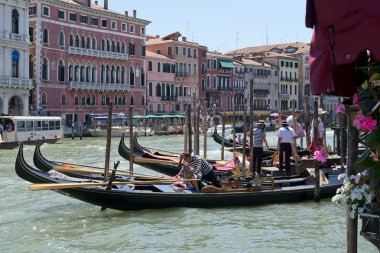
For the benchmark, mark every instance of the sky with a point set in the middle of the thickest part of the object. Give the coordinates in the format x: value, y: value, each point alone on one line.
x: 223, y: 25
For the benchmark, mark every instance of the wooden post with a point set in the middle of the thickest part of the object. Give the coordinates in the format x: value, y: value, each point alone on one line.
x: 189, y: 130
x: 234, y: 132
x: 108, y: 144
x: 205, y: 130
x: 251, y: 127
x: 145, y: 122
x: 295, y: 156
x: 185, y: 130
x: 307, y: 121
x: 244, y: 136
x: 342, y: 147
x: 197, y: 132
x: 223, y: 130
x: 317, y: 193
x: 131, y: 137
x: 352, y: 155
x: 324, y: 119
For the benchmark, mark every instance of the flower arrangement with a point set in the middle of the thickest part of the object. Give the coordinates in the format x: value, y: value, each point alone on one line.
x: 363, y: 188
x: 320, y: 155
x: 354, y: 193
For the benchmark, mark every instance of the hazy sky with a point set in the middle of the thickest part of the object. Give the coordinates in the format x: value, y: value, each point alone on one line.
x: 223, y: 25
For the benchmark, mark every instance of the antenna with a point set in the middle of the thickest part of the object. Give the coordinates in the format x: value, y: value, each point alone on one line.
x: 187, y: 29
x: 237, y: 40
x: 266, y: 30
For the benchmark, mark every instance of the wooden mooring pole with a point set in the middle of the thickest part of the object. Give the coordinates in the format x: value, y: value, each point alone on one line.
x: 108, y: 143
x: 223, y: 130
x: 185, y: 130
x: 244, y: 137
x: 205, y: 130
x: 317, y: 190
x: 307, y: 120
x: 234, y: 132
x: 251, y: 127
x: 196, y: 130
x: 296, y: 157
x: 189, y: 130
x: 131, y: 137
x: 352, y: 156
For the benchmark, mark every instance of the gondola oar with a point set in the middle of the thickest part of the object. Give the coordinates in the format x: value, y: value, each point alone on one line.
x: 57, y: 186
x: 85, y: 171
x: 150, y: 160
x: 112, y: 177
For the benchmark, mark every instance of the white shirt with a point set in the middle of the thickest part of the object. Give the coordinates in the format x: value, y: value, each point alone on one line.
x: 286, y: 134
x: 321, y: 128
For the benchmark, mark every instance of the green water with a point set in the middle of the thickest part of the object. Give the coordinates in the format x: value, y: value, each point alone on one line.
x: 46, y: 221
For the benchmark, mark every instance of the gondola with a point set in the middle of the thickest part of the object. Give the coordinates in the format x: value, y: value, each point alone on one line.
x: 153, y: 196
x: 169, y: 168
x: 46, y: 165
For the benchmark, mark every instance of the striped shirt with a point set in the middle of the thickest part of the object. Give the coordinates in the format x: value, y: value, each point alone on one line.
x: 200, y: 166
x: 258, y: 137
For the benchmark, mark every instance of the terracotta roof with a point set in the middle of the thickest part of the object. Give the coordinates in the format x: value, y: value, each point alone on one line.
x: 299, y: 46
x: 150, y: 54
x: 218, y: 55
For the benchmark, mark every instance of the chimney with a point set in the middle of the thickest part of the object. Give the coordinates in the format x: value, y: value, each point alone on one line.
x: 106, y: 4
x: 88, y: 3
x: 184, y: 39
x: 126, y: 13
x: 157, y: 36
x: 96, y: 2
x: 134, y: 13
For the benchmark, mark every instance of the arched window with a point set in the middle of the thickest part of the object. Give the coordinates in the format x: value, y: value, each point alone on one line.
x: 150, y: 66
x: 93, y: 99
x: 94, y: 74
x: 83, y: 42
x: 118, y: 74
x: 63, y: 99
x: 113, y: 74
x: 113, y: 47
x: 118, y: 46
x: 131, y: 48
x: 208, y: 82
x: 70, y: 72
x: 103, y: 45
x: 71, y: 40
x: 76, y: 99
x: 88, y: 99
x: 116, y: 100
x: 15, y: 21
x: 43, y: 98
x: 142, y: 77
x: 120, y: 100
x: 122, y: 75
x: 131, y: 76
x: 158, y: 90
x: 107, y: 74
x: 108, y: 46
x: 214, y: 82
x: 158, y: 67
x: 45, y: 36
x: 61, y: 71
x: 82, y: 74
x: 15, y: 65
x: 123, y: 47
x: 132, y: 100
x: 45, y: 69
x: 77, y: 41
x: 150, y: 90
x: 124, y: 100
x: 102, y: 74
x: 88, y: 74
x: 61, y: 39
x: 103, y: 99
x: 83, y: 100
x: 93, y: 43
x: 142, y: 100
x: 88, y: 43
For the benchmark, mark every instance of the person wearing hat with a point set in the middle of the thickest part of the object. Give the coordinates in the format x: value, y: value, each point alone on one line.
x: 298, y: 129
x: 284, y: 145
x: 259, y: 139
x: 321, y: 130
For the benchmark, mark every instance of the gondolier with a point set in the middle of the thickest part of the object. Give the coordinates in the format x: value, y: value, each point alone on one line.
x: 202, y: 169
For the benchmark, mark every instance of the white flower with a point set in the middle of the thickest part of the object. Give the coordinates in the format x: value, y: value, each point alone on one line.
x: 341, y: 176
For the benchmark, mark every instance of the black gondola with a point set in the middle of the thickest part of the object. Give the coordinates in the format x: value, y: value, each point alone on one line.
x: 163, y: 196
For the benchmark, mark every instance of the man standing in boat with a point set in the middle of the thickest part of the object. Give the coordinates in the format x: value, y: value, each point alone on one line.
x: 202, y: 169
x: 285, y: 146
x: 258, y: 146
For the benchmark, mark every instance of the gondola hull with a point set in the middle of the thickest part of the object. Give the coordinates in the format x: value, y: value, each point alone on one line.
x: 151, y: 197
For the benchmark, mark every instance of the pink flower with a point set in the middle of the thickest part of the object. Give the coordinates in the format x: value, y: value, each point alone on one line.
x: 339, y: 108
x: 319, y: 155
x: 369, y: 124
x: 358, y: 122
x: 356, y: 98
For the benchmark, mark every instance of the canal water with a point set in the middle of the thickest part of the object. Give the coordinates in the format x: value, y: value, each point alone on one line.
x: 46, y: 221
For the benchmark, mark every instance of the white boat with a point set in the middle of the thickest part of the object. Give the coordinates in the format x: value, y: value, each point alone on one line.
x: 119, y: 131
x: 29, y: 129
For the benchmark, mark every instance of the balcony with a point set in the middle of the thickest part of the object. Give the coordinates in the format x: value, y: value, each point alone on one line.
x: 181, y: 74
x: 168, y: 98
x: 98, y: 86
x: 261, y: 91
x: 225, y: 89
x: 8, y: 82
x: 14, y: 37
x: 184, y: 99
x: 262, y: 108
x: 97, y: 53
x: 284, y: 96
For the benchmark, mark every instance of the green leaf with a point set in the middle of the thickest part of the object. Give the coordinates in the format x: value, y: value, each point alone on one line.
x: 364, y: 164
x: 365, y: 85
x: 373, y: 139
x: 375, y: 76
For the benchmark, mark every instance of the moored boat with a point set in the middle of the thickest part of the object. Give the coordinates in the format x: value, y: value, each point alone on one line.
x: 162, y: 195
x: 28, y: 129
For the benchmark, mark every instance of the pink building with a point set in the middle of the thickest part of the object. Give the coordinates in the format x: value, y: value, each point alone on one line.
x: 219, y: 89
x: 186, y: 55
x: 161, y: 92
x: 83, y: 56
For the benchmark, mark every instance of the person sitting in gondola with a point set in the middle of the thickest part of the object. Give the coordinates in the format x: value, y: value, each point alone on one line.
x: 185, y: 173
x: 202, y: 169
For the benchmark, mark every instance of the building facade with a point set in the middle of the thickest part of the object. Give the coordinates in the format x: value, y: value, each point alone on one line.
x: 162, y: 94
x: 85, y: 56
x: 14, y: 54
